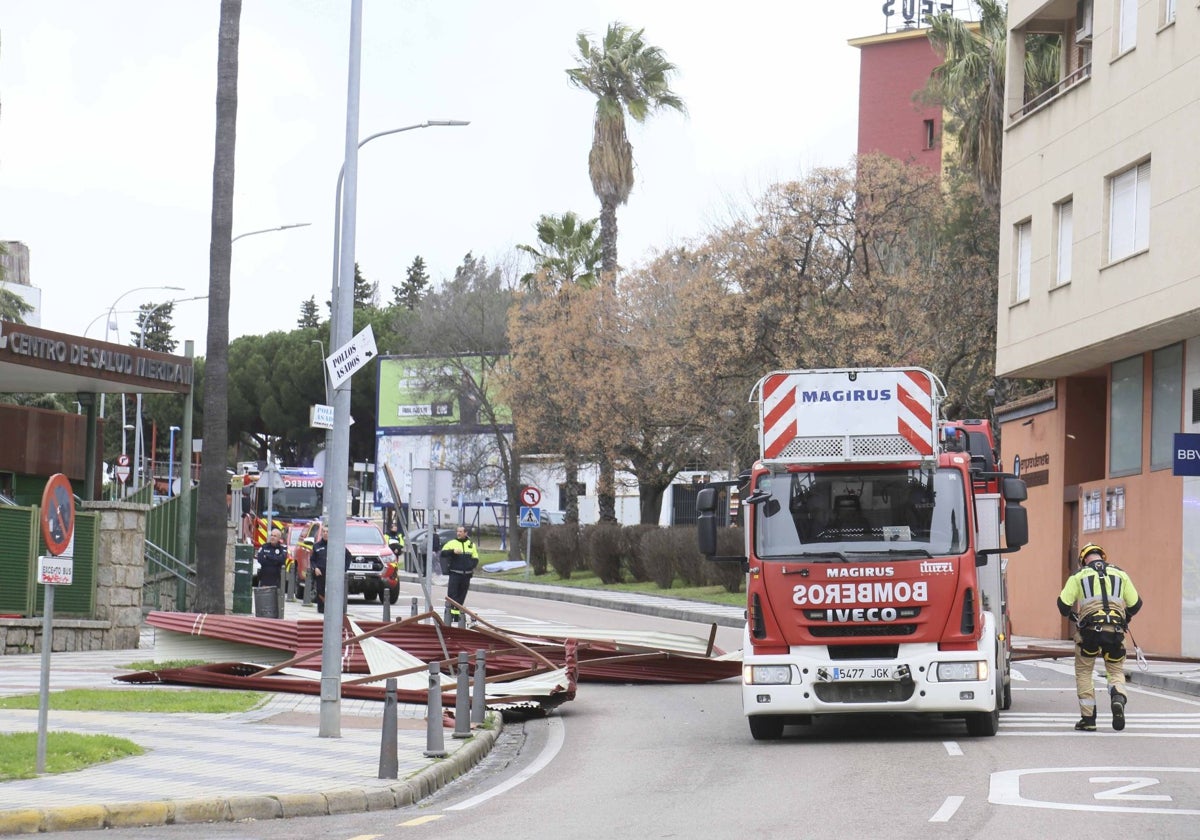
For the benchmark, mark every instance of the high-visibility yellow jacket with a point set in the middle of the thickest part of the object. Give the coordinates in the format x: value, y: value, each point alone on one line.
x: 1110, y: 598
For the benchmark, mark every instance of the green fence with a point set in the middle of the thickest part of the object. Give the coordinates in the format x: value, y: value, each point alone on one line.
x: 21, y: 544
x: 168, y: 560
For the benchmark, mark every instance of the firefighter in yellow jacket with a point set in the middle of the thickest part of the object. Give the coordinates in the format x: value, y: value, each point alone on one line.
x: 459, y: 558
x: 1101, y: 599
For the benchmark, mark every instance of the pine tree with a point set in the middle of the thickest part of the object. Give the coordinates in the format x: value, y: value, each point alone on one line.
x: 155, y: 320
x: 309, y: 318
x: 416, y: 284
x: 366, y: 294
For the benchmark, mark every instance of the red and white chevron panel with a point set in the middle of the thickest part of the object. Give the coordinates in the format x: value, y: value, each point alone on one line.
x: 914, y: 418
x: 778, y: 413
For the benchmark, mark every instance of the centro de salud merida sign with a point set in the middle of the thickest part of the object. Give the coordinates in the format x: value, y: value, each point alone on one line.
x: 31, y: 347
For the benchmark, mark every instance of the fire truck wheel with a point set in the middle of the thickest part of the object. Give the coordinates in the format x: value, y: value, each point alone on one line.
x: 984, y: 724
x: 766, y: 727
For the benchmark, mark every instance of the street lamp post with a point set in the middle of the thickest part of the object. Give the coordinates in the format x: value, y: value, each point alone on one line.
x: 139, y: 446
x: 335, y: 339
x: 171, y: 462
x: 328, y: 432
x: 269, y: 230
x: 108, y: 321
x: 341, y: 327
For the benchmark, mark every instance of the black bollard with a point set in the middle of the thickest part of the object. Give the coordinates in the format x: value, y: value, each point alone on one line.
x: 479, y: 697
x: 435, y: 744
x: 389, y: 763
x: 387, y: 605
x: 414, y: 607
x: 462, y: 700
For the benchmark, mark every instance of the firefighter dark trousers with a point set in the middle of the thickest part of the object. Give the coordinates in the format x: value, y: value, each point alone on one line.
x: 456, y: 590
x: 1091, y: 644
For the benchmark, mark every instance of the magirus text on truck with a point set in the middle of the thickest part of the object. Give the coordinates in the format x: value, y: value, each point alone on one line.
x: 875, y: 540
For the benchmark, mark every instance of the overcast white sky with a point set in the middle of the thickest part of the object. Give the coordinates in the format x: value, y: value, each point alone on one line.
x: 106, y: 137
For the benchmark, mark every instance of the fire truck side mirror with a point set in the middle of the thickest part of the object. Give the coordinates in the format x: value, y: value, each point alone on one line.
x: 706, y: 521
x: 1016, y: 518
x: 1016, y: 526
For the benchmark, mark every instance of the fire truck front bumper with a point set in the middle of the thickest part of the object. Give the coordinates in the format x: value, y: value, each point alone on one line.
x: 926, y: 680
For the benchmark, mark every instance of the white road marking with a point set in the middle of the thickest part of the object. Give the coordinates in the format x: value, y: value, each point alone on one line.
x: 947, y: 810
x: 952, y: 748
x: 1006, y: 789
x: 554, y: 743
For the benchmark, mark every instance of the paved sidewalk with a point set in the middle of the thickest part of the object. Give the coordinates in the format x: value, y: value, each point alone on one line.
x: 270, y: 762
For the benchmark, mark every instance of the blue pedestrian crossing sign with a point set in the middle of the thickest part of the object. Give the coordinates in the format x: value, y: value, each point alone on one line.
x: 531, y: 517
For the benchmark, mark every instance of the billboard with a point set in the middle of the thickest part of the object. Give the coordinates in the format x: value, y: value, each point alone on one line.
x: 437, y: 395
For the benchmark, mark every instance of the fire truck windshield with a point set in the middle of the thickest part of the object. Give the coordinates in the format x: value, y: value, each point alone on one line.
x: 299, y: 498
x: 861, y: 514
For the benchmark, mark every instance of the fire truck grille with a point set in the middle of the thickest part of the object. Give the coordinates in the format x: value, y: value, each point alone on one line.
x: 847, y: 446
x: 844, y: 630
x: 864, y: 692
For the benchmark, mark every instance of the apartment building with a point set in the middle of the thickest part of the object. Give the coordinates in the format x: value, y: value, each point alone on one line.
x: 1099, y: 293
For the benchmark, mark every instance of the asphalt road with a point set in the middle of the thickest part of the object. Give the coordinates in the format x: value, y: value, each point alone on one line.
x: 678, y: 761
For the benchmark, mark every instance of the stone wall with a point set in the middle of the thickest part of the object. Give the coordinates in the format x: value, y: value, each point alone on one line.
x: 120, y: 571
x: 121, y: 587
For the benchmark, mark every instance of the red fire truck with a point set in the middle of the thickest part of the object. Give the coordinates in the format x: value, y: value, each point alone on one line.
x: 873, y: 553
x: 296, y: 497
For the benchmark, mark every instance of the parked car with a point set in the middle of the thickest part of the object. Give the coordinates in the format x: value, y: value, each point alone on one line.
x: 370, y: 555
x: 417, y: 543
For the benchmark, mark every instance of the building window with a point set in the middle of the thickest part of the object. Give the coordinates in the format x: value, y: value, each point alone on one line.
x: 929, y: 134
x: 1114, y: 507
x: 1092, y: 518
x: 1023, y: 248
x: 1126, y: 25
x: 1166, y: 405
x: 1063, y: 212
x: 1125, y: 418
x: 1168, y: 12
x: 1129, y: 212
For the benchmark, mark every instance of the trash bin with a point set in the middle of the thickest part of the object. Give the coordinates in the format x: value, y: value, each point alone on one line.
x: 243, y: 577
x: 266, y: 601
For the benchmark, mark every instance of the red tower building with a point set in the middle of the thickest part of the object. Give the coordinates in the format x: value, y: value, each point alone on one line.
x: 893, y: 68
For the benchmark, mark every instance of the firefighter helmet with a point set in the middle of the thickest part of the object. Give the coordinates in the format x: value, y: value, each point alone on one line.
x: 1091, y: 548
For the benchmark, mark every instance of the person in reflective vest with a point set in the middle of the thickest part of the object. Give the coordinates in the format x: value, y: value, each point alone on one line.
x: 459, y: 559
x: 1101, y: 599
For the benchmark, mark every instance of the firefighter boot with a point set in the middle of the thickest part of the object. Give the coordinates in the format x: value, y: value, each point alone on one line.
x: 1086, y: 724
x: 1118, y: 708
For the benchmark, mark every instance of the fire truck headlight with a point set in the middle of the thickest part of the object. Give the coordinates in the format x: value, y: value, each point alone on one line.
x: 962, y: 671
x: 767, y: 674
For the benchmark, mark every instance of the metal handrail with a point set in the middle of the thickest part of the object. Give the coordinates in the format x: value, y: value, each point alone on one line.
x: 1070, y: 80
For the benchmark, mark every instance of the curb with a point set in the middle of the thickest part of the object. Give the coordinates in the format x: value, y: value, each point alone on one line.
x: 234, y: 808
x: 1163, y: 681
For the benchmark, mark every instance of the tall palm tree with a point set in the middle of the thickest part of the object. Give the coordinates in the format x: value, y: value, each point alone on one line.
x: 211, y: 515
x: 568, y: 252
x: 628, y: 77
x: 969, y: 84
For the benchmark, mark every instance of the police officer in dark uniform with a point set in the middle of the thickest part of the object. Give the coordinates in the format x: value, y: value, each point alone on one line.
x: 319, y: 564
x: 459, y: 558
x: 272, y: 557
